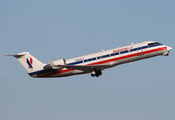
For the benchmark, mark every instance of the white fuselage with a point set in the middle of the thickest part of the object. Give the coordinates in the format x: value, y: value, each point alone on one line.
x: 111, y: 57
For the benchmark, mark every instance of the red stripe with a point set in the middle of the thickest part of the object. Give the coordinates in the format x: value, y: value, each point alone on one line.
x: 59, y: 72
x: 110, y: 60
x: 128, y: 56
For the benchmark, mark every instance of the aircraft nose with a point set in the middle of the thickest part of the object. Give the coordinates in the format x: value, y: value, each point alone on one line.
x: 169, y: 48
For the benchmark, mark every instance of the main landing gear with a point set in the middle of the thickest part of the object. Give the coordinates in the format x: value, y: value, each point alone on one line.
x: 96, y: 73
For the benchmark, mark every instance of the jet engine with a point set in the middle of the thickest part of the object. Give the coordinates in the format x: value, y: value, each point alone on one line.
x: 53, y: 66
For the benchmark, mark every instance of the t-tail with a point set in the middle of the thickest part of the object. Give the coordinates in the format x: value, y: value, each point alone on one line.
x: 30, y: 63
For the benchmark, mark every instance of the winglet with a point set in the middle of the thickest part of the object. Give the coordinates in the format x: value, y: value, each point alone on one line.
x: 64, y: 62
x: 51, y: 63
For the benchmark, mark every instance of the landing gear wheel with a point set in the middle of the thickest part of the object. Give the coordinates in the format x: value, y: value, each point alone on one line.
x: 96, y: 73
x: 93, y: 75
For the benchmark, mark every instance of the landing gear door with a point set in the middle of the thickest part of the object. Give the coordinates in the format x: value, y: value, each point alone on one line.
x: 140, y: 51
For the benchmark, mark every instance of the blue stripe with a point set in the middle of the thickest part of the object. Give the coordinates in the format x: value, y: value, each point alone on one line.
x: 36, y: 72
x: 144, y: 47
x: 99, y: 57
x: 113, y: 54
x: 74, y: 63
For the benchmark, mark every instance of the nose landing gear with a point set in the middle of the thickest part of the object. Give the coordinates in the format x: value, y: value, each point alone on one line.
x: 96, y: 73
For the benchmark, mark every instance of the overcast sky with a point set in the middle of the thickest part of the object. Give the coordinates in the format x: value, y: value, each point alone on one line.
x: 56, y: 29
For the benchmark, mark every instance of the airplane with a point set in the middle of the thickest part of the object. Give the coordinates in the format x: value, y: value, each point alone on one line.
x: 92, y: 63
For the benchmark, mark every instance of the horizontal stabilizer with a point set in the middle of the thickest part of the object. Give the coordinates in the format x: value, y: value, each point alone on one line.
x: 17, y: 56
x: 30, y: 63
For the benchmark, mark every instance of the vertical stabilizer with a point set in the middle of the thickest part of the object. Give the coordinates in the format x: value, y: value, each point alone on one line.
x: 30, y: 63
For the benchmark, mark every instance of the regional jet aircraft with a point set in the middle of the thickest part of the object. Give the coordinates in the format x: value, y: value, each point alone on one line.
x: 93, y: 63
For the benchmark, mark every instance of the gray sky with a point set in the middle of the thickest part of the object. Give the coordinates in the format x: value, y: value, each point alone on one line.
x: 70, y: 28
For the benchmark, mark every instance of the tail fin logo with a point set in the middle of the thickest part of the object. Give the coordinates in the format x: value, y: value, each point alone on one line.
x: 30, y: 63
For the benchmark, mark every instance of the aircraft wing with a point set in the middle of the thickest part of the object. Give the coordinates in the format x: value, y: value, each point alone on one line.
x: 81, y: 67
x: 85, y: 67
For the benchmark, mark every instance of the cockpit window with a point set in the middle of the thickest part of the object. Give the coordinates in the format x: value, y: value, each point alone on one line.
x: 155, y: 43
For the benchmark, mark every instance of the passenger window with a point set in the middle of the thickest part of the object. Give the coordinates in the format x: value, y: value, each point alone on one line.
x: 117, y: 53
x: 121, y: 52
x: 131, y: 50
x: 112, y: 54
x: 144, y: 47
x: 135, y: 49
x: 139, y: 48
x: 93, y: 58
x: 126, y: 51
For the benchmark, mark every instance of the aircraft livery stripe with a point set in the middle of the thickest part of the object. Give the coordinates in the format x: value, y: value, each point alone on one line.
x: 99, y: 57
x: 108, y: 55
x: 109, y: 60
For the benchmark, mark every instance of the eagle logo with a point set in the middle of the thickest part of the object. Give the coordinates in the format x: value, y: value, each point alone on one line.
x: 30, y: 63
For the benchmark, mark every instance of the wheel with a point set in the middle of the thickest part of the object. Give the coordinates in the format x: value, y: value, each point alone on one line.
x: 92, y: 75
x: 99, y: 72
x: 96, y: 73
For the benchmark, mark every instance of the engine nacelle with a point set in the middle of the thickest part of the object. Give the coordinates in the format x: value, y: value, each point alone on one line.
x: 48, y: 67
x: 60, y: 62
x: 52, y: 67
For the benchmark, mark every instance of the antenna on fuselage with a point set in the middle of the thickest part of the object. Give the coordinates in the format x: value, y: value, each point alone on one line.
x: 102, y: 50
x: 132, y: 43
